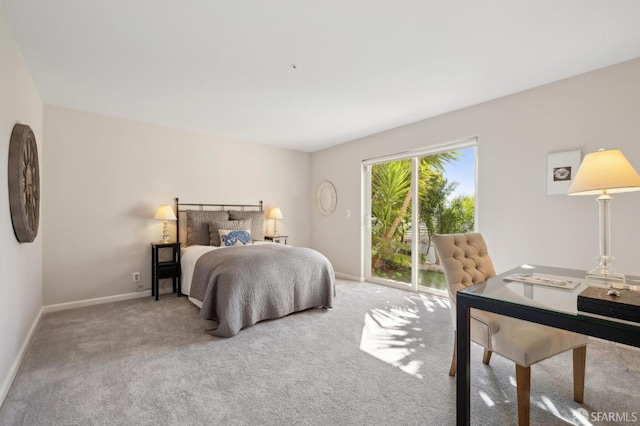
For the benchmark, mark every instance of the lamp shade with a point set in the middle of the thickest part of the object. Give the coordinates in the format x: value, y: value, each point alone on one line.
x: 605, y: 171
x: 275, y: 213
x: 165, y: 212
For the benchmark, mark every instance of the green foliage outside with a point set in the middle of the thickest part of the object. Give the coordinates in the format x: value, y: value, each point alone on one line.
x: 425, y: 278
x: 444, y: 216
x: 391, y: 211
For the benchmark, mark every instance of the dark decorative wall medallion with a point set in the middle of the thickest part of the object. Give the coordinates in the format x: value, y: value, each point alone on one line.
x: 24, y: 183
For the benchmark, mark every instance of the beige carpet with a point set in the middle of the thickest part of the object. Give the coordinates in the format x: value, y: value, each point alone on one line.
x: 379, y: 357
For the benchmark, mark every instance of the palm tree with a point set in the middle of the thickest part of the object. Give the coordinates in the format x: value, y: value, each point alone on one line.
x: 391, y: 203
x: 441, y: 215
x: 390, y: 184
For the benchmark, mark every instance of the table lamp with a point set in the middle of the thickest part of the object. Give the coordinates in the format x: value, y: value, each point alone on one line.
x: 165, y: 213
x: 276, y: 215
x: 602, y: 173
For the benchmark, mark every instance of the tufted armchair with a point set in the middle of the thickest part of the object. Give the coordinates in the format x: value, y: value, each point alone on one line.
x: 465, y: 260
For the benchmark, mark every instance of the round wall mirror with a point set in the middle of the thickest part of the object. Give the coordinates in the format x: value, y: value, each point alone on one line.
x: 326, y: 198
x: 24, y: 183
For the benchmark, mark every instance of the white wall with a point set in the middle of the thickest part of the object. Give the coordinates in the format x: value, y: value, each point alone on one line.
x: 21, y: 264
x: 106, y: 177
x: 520, y: 222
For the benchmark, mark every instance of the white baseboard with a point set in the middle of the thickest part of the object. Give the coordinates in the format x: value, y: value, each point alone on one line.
x: 96, y: 301
x: 4, y: 390
x: 6, y: 385
x: 348, y: 277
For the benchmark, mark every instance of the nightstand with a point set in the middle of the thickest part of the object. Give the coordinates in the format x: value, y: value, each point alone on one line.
x: 277, y: 239
x: 165, y: 263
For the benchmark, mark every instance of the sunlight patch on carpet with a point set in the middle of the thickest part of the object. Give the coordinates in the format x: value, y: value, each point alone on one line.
x: 393, y: 336
x: 486, y: 398
x: 547, y: 404
x: 582, y: 416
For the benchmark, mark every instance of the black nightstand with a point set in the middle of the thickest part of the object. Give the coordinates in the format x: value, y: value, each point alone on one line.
x: 277, y: 239
x: 165, y: 263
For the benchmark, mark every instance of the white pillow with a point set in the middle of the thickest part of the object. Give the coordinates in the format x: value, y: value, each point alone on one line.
x: 235, y: 225
x: 232, y: 237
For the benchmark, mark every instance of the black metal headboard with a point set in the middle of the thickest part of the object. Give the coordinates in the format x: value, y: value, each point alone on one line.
x: 183, y: 207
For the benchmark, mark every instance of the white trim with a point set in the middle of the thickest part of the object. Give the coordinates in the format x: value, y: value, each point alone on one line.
x: 415, y: 219
x: 413, y: 155
x: 407, y: 287
x: 366, y: 222
x: 400, y: 285
x: 96, y: 301
x: 348, y: 277
x: 13, y: 371
x: 469, y: 142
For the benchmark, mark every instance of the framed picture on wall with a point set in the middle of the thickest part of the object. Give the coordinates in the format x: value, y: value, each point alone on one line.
x: 561, y: 169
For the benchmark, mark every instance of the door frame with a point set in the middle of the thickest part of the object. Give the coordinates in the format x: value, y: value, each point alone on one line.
x: 414, y: 156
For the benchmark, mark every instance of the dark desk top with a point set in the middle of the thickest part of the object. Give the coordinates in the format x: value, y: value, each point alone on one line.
x: 559, y: 300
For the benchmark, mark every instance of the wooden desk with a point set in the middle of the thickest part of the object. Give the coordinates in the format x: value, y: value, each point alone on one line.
x: 560, y: 312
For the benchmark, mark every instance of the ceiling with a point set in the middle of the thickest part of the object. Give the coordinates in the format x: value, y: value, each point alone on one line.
x: 308, y: 74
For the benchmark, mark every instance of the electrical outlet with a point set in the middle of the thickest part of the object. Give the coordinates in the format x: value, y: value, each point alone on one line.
x: 136, y: 277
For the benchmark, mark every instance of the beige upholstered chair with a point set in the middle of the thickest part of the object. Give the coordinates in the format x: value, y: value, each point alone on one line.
x: 466, y: 261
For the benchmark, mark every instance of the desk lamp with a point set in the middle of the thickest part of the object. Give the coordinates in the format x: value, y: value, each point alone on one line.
x: 602, y: 173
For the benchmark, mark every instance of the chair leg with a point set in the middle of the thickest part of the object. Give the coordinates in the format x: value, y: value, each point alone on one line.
x: 486, y: 357
x: 452, y: 369
x: 579, y: 364
x: 523, y: 387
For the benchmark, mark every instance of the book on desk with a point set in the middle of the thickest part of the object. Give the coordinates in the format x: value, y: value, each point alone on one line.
x: 604, y: 302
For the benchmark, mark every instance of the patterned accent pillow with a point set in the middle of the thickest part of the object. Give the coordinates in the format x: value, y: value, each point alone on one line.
x: 234, y: 238
x: 232, y: 225
x: 198, y: 225
x: 257, y: 221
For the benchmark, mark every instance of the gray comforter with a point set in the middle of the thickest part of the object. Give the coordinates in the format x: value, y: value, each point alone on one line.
x: 239, y: 286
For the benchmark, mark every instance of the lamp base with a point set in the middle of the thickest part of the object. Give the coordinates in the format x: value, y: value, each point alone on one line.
x: 165, y: 233
x: 604, y: 275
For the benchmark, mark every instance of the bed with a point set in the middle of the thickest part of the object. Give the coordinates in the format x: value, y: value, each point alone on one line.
x: 236, y: 278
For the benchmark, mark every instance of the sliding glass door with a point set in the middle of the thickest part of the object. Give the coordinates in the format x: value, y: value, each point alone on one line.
x: 410, y: 198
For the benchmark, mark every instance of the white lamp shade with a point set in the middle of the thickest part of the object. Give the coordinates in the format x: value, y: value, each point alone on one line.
x: 275, y: 213
x: 165, y: 212
x: 605, y: 170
